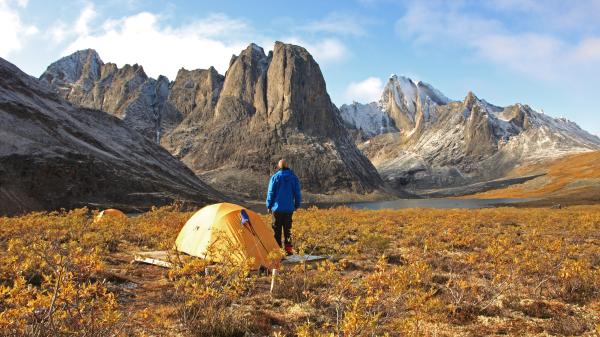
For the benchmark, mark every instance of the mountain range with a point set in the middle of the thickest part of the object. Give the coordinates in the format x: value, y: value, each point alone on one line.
x: 232, y: 129
x: 90, y: 133
x: 419, y: 139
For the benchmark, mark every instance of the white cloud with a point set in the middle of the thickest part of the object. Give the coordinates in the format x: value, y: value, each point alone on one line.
x: 581, y: 15
x: 338, y: 23
x: 588, y: 50
x: 219, y: 25
x: 543, y: 56
x: 426, y: 23
x: 85, y: 17
x: 327, y: 50
x: 368, y: 90
x: 533, y: 54
x: 13, y: 32
x: 519, y: 5
x: 162, y: 50
x: 58, y: 32
x: 324, y: 51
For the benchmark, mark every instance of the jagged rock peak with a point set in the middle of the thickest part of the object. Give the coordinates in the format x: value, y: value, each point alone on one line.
x: 271, y: 107
x: 407, y: 92
x: 256, y: 54
x: 71, y: 68
x: 127, y: 93
x: 297, y: 93
x: 212, y: 70
x: 297, y: 50
x: 256, y: 49
x: 162, y: 78
x: 81, y: 55
x: 253, y: 52
x: 196, y: 91
x: 470, y: 100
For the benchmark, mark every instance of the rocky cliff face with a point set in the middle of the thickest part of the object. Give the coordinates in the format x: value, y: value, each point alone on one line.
x: 442, y: 143
x: 231, y: 129
x: 270, y: 107
x: 56, y: 155
x: 128, y: 93
x: 195, y: 93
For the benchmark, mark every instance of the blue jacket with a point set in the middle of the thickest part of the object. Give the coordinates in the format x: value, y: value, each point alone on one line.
x: 284, y: 192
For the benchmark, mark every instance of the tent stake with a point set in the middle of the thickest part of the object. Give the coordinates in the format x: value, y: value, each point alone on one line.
x: 274, y: 274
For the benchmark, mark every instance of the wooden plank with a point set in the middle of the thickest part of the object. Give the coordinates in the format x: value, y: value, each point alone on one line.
x: 157, y: 254
x: 152, y: 261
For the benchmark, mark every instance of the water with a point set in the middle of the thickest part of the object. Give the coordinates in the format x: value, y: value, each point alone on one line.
x: 409, y: 203
x: 435, y: 203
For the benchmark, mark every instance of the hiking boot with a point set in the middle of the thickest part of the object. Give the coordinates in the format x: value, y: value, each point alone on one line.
x: 289, y: 250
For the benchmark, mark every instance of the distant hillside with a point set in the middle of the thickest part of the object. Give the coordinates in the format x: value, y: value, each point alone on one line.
x: 56, y: 155
x: 568, y: 180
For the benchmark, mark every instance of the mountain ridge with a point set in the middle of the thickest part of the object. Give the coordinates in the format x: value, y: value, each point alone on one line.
x: 127, y: 92
x: 56, y: 155
x: 265, y: 107
x: 440, y: 142
x: 231, y: 128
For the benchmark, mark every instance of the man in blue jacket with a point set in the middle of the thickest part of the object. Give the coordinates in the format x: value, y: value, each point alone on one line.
x: 283, y: 198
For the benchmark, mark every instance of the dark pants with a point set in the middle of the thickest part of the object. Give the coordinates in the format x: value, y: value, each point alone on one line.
x: 282, y: 221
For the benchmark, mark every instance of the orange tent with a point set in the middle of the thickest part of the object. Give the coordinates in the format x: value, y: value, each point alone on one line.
x: 227, y: 231
x: 109, y: 213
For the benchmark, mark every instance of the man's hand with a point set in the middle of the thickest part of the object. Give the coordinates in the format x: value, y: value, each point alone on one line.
x: 269, y: 211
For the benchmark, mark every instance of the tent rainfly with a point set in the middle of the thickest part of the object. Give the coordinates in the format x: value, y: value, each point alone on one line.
x: 227, y: 231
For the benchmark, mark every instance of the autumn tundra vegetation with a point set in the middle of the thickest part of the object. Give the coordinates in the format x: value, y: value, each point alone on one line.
x: 413, y: 272
x: 573, y: 179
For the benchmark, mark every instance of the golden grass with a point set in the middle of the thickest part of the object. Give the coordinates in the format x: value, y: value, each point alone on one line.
x: 570, y: 175
x: 410, y: 272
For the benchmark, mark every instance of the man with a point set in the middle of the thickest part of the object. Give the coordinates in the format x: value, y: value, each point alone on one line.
x: 283, y: 198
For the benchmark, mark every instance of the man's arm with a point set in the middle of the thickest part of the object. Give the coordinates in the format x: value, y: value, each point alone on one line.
x: 271, y: 193
x: 297, y: 194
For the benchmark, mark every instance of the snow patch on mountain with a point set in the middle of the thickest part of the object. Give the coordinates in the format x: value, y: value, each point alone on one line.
x: 400, y: 94
x: 368, y: 118
x: 405, y: 92
x: 428, y: 91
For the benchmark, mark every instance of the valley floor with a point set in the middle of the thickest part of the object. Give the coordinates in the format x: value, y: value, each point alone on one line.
x: 416, y: 272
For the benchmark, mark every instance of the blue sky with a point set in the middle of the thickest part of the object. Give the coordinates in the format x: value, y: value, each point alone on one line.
x: 542, y: 53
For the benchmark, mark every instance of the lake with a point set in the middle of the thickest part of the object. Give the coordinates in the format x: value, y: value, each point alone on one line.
x: 434, y: 203
x: 408, y: 203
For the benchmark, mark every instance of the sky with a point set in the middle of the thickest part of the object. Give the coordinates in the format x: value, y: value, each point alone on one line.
x: 542, y: 53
